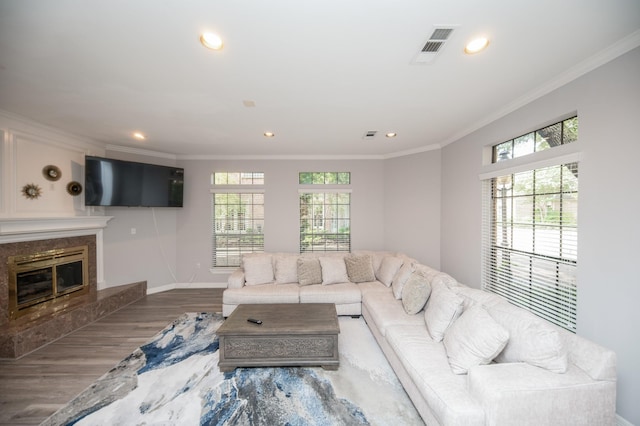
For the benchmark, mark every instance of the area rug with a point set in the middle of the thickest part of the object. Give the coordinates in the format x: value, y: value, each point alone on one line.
x: 174, y: 380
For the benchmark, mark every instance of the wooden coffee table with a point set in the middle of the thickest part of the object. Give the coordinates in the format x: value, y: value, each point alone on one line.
x: 301, y: 334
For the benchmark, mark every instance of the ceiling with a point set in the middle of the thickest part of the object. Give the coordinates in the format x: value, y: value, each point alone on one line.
x: 321, y: 73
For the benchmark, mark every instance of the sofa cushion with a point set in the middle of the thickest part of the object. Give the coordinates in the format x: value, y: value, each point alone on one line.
x: 400, y: 279
x: 474, y: 339
x: 309, y: 271
x: 532, y: 339
x: 443, y: 307
x: 359, y: 268
x: 386, y: 311
x: 336, y: 293
x: 426, y: 362
x: 415, y: 293
x: 286, y: 269
x: 334, y: 270
x: 267, y: 293
x: 388, y: 269
x: 258, y: 270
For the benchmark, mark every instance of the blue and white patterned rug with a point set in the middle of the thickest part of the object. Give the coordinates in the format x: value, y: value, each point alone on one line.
x: 174, y: 380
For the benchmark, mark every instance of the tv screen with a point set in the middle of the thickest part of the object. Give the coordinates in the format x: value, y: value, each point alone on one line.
x: 111, y: 182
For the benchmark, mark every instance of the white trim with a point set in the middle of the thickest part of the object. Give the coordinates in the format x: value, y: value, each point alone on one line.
x: 281, y: 157
x: 182, y: 286
x: 412, y: 151
x: 513, y: 166
x: 245, y: 189
x: 620, y: 421
x: 140, y: 151
x: 31, y: 229
x: 332, y: 190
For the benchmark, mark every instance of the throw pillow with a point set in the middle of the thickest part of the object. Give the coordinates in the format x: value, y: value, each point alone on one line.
x: 334, y: 270
x: 443, y: 307
x: 359, y: 268
x: 286, y: 269
x: 388, y: 269
x: 309, y: 271
x: 258, y: 270
x: 474, y: 339
x: 400, y: 279
x: 532, y: 339
x: 415, y: 293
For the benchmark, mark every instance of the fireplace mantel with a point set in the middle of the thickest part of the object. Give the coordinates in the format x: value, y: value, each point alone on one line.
x: 30, y: 229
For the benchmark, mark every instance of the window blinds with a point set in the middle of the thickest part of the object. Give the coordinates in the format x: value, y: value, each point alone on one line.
x: 530, y: 240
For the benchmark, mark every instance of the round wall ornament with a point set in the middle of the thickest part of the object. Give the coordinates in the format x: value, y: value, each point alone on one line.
x: 51, y: 173
x: 74, y: 188
x: 31, y: 191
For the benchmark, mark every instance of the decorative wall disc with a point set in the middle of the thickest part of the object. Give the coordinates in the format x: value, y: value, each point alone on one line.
x: 31, y: 191
x: 51, y: 173
x: 74, y: 188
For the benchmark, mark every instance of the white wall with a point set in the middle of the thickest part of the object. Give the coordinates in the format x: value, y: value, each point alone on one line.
x: 281, y: 208
x: 149, y: 254
x: 607, y: 101
x: 412, y: 206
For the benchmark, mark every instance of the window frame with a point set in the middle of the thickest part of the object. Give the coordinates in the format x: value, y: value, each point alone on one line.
x: 553, y: 298
x: 250, y: 237
x: 332, y: 186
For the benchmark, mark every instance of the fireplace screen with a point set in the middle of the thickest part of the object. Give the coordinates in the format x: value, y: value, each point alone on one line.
x: 39, y: 279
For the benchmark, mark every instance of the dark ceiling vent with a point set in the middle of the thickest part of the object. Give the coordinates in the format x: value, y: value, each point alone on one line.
x: 370, y: 134
x: 433, y: 46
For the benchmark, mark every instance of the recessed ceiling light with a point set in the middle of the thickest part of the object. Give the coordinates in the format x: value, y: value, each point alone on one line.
x: 476, y: 45
x: 139, y: 136
x: 211, y: 41
x: 269, y: 134
x: 391, y: 135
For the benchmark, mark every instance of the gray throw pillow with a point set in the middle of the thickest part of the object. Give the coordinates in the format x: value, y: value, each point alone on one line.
x: 360, y: 268
x: 309, y: 271
x: 415, y: 293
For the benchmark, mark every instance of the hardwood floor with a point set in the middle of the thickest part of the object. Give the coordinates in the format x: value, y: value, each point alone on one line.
x: 36, y: 385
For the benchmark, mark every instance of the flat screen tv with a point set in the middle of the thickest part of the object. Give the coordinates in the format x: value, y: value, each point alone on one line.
x: 110, y: 182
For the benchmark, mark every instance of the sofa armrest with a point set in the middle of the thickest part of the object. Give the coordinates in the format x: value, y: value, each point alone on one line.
x: 518, y: 393
x: 236, y: 279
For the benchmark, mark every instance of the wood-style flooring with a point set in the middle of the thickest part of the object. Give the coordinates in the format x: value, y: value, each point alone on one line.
x: 36, y: 385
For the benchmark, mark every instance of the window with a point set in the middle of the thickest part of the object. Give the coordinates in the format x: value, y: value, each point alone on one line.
x: 238, y: 216
x: 325, y: 221
x: 530, y: 232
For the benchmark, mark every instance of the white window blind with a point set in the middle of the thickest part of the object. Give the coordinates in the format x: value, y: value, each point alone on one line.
x: 530, y: 240
x: 238, y: 216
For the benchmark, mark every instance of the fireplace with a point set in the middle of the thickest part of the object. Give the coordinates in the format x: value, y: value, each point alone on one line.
x: 47, y: 280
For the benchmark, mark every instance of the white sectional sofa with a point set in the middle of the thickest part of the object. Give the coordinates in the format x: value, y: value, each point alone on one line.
x: 464, y: 356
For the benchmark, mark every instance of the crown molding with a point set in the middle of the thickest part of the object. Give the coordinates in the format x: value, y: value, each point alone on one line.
x: 140, y: 151
x: 281, y: 157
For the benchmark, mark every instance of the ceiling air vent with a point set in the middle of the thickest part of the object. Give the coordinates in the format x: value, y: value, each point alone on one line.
x: 433, y: 46
x: 370, y: 134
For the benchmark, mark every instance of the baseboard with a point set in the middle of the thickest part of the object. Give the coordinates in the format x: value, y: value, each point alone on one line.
x: 182, y: 286
x: 620, y: 421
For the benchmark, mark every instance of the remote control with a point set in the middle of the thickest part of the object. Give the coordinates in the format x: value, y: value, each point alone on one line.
x: 255, y: 321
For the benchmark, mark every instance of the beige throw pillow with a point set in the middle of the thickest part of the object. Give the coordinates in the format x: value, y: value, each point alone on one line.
x: 309, y: 271
x: 360, y: 268
x: 443, y: 307
x: 334, y: 270
x: 388, y: 269
x: 415, y: 293
x: 258, y: 270
x: 474, y: 339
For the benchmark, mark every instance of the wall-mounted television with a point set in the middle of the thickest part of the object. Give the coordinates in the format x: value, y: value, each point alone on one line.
x: 110, y: 182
